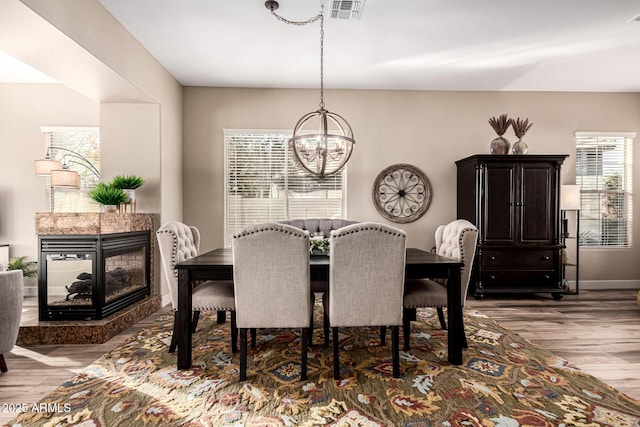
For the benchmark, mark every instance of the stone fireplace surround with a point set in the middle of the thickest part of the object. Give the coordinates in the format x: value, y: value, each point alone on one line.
x: 92, y: 331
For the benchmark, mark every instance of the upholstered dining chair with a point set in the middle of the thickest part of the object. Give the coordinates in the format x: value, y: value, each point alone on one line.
x: 272, y: 283
x: 319, y: 227
x: 455, y: 240
x: 366, y: 281
x: 11, y: 293
x: 179, y: 242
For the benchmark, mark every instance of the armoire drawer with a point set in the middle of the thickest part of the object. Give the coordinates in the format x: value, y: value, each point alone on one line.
x: 542, y: 258
x: 522, y: 278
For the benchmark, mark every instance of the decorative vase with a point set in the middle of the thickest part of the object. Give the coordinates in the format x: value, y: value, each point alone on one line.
x: 109, y: 208
x: 500, y: 145
x: 520, y: 147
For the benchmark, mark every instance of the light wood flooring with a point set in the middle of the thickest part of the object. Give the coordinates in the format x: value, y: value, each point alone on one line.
x: 599, y: 331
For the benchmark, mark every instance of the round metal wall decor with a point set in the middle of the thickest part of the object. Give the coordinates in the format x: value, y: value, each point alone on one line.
x: 401, y: 193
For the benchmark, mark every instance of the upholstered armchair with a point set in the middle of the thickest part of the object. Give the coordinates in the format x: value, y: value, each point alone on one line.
x: 271, y: 277
x: 455, y: 240
x: 319, y: 227
x: 11, y: 293
x: 366, y: 281
x: 179, y: 242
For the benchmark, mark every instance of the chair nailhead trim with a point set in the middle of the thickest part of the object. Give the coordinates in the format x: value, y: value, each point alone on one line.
x: 244, y: 233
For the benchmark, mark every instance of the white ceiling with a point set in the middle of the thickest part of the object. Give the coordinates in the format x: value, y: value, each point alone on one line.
x: 529, y: 45
x: 494, y: 45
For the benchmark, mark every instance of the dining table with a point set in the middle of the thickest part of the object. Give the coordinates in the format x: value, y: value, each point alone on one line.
x: 217, y: 264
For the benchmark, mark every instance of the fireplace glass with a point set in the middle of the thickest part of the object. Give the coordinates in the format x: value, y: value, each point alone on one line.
x: 89, y: 277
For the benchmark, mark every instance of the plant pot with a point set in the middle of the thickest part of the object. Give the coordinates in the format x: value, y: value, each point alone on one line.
x: 109, y: 208
x: 131, y: 194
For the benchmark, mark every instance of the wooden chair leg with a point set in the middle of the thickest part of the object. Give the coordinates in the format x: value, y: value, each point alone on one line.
x: 313, y: 302
x: 407, y: 315
x: 234, y: 333
x: 395, y: 350
x: 305, y: 333
x: 443, y: 323
x: 3, y: 364
x: 253, y: 337
x: 194, y: 322
x: 243, y: 354
x: 174, y: 334
x: 325, y: 321
x: 336, y: 357
x: 464, y: 336
x: 383, y: 335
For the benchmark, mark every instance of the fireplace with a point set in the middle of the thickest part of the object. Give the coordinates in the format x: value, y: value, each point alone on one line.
x: 92, y: 276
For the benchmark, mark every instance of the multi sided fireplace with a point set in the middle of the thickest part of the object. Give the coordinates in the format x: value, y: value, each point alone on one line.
x: 92, y: 276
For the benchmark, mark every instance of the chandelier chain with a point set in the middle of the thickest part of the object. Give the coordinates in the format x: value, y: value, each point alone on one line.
x: 320, y: 18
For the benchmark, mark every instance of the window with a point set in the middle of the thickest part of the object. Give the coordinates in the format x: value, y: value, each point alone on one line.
x: 263, y: 183
x: 604, y: 172
x: 86, y: 142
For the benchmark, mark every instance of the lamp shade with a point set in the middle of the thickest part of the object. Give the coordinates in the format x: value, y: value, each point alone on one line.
x: 570, y: 197
x: 65, y: 178
x: 45, y: 166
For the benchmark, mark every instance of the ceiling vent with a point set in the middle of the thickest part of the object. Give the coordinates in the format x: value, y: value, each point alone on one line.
x: 346, y: 9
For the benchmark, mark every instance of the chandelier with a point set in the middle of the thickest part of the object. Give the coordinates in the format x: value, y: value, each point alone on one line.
x: 322, y: 141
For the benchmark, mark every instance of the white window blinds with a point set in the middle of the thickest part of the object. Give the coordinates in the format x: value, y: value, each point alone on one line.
x: 263, y: 183
x: 604, y: 172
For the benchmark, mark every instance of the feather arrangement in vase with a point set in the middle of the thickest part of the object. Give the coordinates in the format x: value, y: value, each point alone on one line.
x: 500, y: 145
x: 520, y: 128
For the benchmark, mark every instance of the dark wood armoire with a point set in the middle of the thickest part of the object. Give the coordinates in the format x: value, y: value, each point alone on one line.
x: 514, y: 200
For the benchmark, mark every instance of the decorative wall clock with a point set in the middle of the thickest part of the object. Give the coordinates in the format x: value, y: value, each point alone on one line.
x: 401, y: 193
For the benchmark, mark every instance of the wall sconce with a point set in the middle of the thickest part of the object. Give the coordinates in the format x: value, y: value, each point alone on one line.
x: 61, y: 175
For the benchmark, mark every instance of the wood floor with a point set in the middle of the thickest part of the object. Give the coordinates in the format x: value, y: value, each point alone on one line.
x: 599, y: 331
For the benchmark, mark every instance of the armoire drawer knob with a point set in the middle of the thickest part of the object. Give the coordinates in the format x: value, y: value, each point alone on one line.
x: 492, y: 277
x: 492, y: 258
x: 546, y: 257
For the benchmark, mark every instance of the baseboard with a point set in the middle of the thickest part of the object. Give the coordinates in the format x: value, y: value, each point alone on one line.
x: 602, y: 285
x: 30, y: 291
x: 166, y: 300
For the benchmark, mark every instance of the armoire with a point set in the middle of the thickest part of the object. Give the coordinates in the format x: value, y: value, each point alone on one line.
x: 514, y: 201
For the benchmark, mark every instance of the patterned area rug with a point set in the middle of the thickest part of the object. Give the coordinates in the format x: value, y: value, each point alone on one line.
x: 505, y: 381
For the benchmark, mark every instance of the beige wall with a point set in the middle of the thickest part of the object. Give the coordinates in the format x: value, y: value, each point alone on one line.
x: 430, y: 130
x: 23, y: 109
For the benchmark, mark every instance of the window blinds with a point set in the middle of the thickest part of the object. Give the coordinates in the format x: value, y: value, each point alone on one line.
x: 604, y: 172
x: 263, y: 183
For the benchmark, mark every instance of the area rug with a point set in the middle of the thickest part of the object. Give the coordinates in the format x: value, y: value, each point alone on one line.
x: 504, y: 381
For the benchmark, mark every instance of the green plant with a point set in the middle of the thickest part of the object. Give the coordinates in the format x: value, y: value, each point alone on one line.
x: 319, y: 245
x: 107, y: 194
x: 127, y: 182
x: 29, y: 268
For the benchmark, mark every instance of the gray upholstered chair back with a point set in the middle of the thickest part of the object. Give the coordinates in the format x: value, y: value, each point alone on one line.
x: 318, y: 226
x: 458, y: 240
x: 366, y: 276
x: 177, y: 242
x: 271, y: 277
x: 11, y: 293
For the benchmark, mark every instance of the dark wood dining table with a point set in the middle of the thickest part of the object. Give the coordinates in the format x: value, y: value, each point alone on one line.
x: 218, y: 265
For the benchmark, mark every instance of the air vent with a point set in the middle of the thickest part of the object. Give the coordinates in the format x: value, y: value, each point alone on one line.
x: 346, y: 9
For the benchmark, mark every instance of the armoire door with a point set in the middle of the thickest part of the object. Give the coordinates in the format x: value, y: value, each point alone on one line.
x: 498, y: 204
x: 535, y: 206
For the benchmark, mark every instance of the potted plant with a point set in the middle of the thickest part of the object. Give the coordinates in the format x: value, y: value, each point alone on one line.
x: 520, y: 128
x: 29, y: 268
x: 318, y: 245
x: 108, y: 196
x: 128, y: 183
